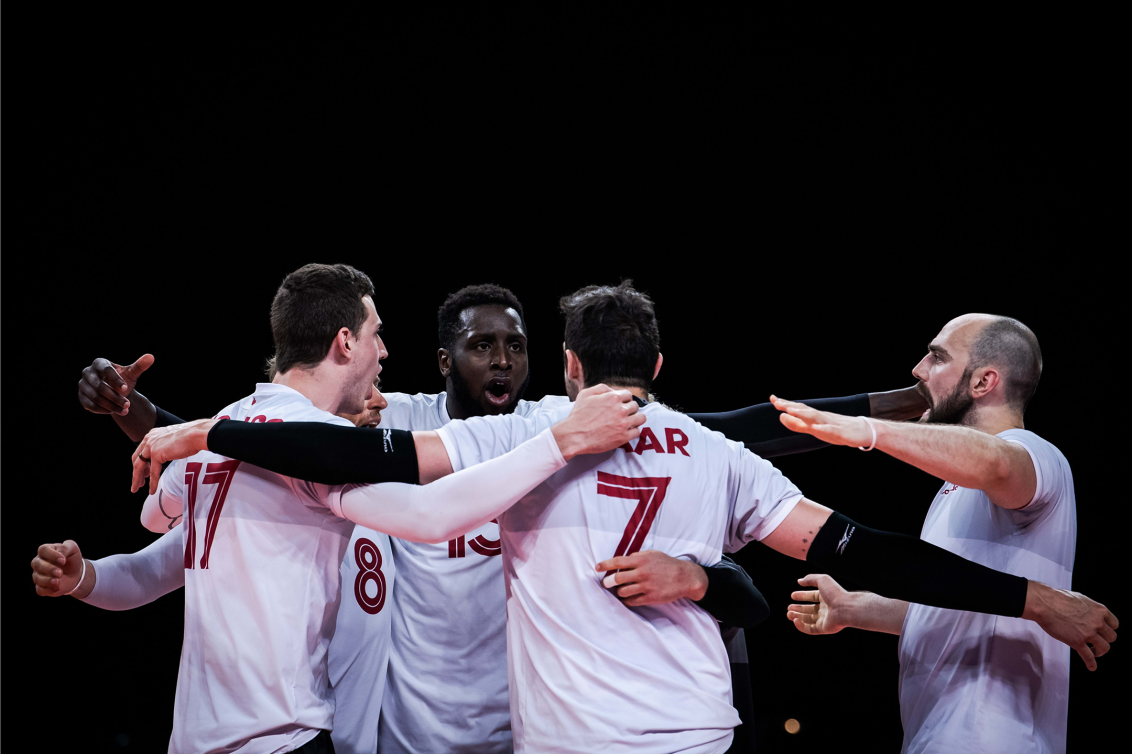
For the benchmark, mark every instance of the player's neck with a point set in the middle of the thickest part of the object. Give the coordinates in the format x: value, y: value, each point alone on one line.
x: 993, y: 420
x: 318, y: 385
x: 640, y: 392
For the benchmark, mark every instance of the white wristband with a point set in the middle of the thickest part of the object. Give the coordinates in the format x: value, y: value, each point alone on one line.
x: 873, y: 427
x: 81, y: 577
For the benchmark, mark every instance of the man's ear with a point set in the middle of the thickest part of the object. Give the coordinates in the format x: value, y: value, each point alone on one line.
x: 341, y: 348
x: 659, y: 363
x: 983, y: 381
x: 444, y: 359
x: 574, y: 367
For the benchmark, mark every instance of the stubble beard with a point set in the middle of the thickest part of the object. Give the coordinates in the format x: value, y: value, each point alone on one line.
x: 954, y: 408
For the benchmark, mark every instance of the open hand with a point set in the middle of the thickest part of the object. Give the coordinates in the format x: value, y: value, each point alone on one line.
x: 56, y: 568
x: 104, y: 386
x: 602, y: 419
x: 167, y: 444
x: 1072, y: 618
x: 825, y: 609
x: 827, y: 426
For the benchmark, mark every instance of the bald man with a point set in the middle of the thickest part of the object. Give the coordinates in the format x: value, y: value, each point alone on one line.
x: 969, y: 681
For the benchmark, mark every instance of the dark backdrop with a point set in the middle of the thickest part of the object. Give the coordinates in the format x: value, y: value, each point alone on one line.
x: 805, y: 219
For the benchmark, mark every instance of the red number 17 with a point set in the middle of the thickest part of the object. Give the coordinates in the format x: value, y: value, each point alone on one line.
x: 649, y: 493
x: 221, y: 475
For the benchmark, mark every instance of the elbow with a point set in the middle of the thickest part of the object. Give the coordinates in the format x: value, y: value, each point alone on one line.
x: 149, y: 523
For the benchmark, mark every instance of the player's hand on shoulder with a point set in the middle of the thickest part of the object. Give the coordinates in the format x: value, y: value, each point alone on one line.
x: 167, y: 444
x: 105, y: 386
x: 600, y: 420
x: 651, y: 577
x: 1074, y: 619
x: 824, y: 610
x: 56, y: 569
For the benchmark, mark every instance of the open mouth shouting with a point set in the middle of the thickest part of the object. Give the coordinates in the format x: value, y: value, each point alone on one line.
x: 498, y: 391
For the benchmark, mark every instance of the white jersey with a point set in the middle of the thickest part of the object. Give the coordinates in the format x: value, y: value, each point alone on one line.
x: 971, y: 682
x: 262, y: 554
x: 448, y: 664
x: 587, y: 673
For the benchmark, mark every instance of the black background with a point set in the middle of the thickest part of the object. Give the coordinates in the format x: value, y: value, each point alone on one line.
x: 806, y: 218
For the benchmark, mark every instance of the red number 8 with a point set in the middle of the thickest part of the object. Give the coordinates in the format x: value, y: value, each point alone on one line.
x: 368, y: 558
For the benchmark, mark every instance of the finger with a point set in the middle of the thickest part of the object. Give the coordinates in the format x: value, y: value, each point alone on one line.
x: 47, y: 582
x: 51, y: 554
x: 68, y: 549
x: 631, y: 408
x: 46, y: 592
x: 1107, y: 633
x: 133, y: 371
x: 811, y: 579
x: 1087, y: 656
x: 781, y: 403
x: 1099, y: 645
x: 141, y: 471
x: 1110, y: 619
x: 619, y: 577
x: 803, y: 609
x: 621, y: 561
x: 92, y: 401
x: 806, y: 596
x: 791, y: 615
x: 109, y: 372
x: 630, y: 590
x: 802, y: 626
x: 794, y: 424
x: 46, y: 567
x: 154, y: 476
x: 96, y: 385
x: 142, y: 446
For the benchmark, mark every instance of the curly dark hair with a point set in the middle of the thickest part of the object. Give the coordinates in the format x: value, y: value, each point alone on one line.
x: 311, y: 306
x: 613, y: 332
x: 448, y: 318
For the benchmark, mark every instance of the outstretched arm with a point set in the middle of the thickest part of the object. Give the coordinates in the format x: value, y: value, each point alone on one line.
x: 960, y: 455
x: 118, y: 582
x: 759, y: 429
x: 907, y: 568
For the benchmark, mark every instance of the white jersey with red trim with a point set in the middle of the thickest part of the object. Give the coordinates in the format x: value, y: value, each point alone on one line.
x: 447, y: 689
x: 262, y: 554
x: 586, y: 672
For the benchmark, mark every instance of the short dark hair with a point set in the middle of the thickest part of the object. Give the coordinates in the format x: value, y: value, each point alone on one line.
x: 1010, y: 345
x: 614, y: 333
x: 448, y: 318
x: 311, y: 306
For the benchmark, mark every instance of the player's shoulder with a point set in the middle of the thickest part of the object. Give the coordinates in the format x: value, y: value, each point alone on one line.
x: 547, y: 403
x: 420, y: 411
x: 271, y: 402
x: 1035, y: 443
x: 666, y: 427
x: 667, y: 416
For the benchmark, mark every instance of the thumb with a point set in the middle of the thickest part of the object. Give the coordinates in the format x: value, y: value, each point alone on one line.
x: 69, y: 549
x: 133, y: 371
x: 810, y: 580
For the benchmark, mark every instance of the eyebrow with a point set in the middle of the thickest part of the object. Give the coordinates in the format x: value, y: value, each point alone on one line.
x: 933, y: 348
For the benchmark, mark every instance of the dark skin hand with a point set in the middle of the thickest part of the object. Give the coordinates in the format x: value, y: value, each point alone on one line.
x: 109, y: 388
x: 486, y: 368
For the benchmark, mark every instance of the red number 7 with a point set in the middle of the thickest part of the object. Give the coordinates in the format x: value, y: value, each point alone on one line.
x: 648, y: 492
x: 221, y: 475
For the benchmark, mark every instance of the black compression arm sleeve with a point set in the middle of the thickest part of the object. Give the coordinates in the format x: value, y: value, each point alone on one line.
x: 761, y: 431
x: 165, y: 419
x: 731, y: 597
x: 906, y: 568
x: 320, y: 452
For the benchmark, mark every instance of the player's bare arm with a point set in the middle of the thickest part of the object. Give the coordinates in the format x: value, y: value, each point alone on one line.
x: 58, y: 570
x: 961, y: 455
x: 109, y: 388
x: 933, y: 576
x: 828, y: 608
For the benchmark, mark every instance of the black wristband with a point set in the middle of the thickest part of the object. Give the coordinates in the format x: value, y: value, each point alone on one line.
x: 731, y: 597
x: 907, y: 568
x: 165, y: 419
x: 320, y: 452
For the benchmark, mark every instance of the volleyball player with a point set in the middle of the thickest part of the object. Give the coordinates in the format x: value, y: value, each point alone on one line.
x: 971, y: 681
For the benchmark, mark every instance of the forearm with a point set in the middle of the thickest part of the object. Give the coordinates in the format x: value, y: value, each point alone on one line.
x: 123, y: 582
x: 731, y: 597
x: 457, y: 503
x: 760, y: 430
x: 897, y: 405
x: 960, y: 455
x: 319, y: 452
x: 871, y: 612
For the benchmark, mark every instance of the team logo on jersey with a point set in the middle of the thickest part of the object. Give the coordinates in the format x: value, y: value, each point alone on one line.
x: 387, y: 440
x: 849, y: 529
x: 951, y: 489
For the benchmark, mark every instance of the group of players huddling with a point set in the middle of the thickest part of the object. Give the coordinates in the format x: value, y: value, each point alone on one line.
x: 480, y: 573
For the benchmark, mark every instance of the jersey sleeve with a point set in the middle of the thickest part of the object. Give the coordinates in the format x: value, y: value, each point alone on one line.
x: 123, y: 582
x: 162, y: 511
x: 763, y: 498
x: 481, y: 438
x: 1051, y: 472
